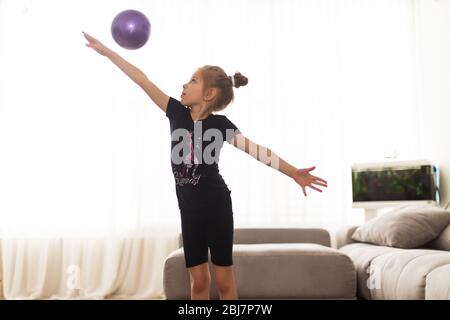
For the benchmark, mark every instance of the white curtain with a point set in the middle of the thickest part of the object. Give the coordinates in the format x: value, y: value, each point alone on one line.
x: 87, y: 198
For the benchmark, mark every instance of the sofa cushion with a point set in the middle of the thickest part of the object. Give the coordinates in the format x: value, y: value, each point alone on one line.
x: 442, y: 242
x: 438, y: 284
x: 404, y: 227
x: 362, y: 255
x: 276, y: 271
x: 403, y: 274
x: 393, y: 273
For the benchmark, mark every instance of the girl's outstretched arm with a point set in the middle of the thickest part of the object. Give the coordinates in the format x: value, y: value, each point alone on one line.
x: 135, y: 74
x: 270, y: 158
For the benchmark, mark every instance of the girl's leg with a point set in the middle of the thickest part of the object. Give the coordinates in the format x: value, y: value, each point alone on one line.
x: 200, y: 281
x: 226, y: 283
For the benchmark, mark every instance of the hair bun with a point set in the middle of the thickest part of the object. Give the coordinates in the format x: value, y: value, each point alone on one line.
x: 239, y: 80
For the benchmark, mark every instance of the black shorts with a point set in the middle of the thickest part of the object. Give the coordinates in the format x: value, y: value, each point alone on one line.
x: 212, y: 228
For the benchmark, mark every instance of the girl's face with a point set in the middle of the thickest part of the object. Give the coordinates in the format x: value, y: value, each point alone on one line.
x: 193, y: 91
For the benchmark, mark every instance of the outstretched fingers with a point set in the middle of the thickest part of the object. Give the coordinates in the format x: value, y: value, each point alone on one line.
x: 317, y: 189
x: 319, y: 179
x: 320, y: 183
x: 89, y: 38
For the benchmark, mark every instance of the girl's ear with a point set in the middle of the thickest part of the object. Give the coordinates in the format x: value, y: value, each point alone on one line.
x: 210, y: 94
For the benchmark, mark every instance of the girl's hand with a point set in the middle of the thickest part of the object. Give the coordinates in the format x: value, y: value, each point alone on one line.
x: 95, y: 44
x: 305, y: 179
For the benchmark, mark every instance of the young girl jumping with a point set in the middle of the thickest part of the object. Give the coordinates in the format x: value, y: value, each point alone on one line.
x: 204, y: 199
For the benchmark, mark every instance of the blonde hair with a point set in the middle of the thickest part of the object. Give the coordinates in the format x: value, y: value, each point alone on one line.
x: 215, y: 77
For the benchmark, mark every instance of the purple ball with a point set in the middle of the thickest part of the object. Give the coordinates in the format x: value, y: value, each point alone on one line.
x: 130, y: 29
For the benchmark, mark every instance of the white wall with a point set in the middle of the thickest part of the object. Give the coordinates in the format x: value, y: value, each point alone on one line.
x: 433, y: 21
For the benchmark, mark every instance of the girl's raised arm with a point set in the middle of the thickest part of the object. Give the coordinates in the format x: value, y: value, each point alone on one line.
x: 135, y: 74
x: 301, y: 176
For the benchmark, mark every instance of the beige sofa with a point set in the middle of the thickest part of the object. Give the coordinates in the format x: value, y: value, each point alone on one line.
x: 276, y: 263
x: 394, y: 273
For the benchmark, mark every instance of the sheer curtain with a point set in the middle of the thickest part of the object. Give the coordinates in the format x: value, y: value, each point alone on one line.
x: 87, y: 198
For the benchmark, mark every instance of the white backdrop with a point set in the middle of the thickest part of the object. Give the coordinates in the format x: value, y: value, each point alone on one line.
x: 85, y: 153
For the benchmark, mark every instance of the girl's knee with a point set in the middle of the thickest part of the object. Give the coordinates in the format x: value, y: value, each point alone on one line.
x: 201, y: 283
x: 225, y: 285
x: 224, y: 278
x: 200, y: 277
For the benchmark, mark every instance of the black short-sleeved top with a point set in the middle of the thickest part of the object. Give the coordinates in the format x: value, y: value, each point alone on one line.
x: 195, y: 150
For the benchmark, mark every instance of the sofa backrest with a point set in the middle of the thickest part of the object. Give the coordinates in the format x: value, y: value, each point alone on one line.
x: 278, y: 235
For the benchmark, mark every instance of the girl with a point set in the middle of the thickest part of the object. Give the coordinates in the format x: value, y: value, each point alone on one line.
x: 203, y: 197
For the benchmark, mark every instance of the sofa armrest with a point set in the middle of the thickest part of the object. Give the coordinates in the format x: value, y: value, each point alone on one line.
x: 278, y: 235
x: 344, y: 235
